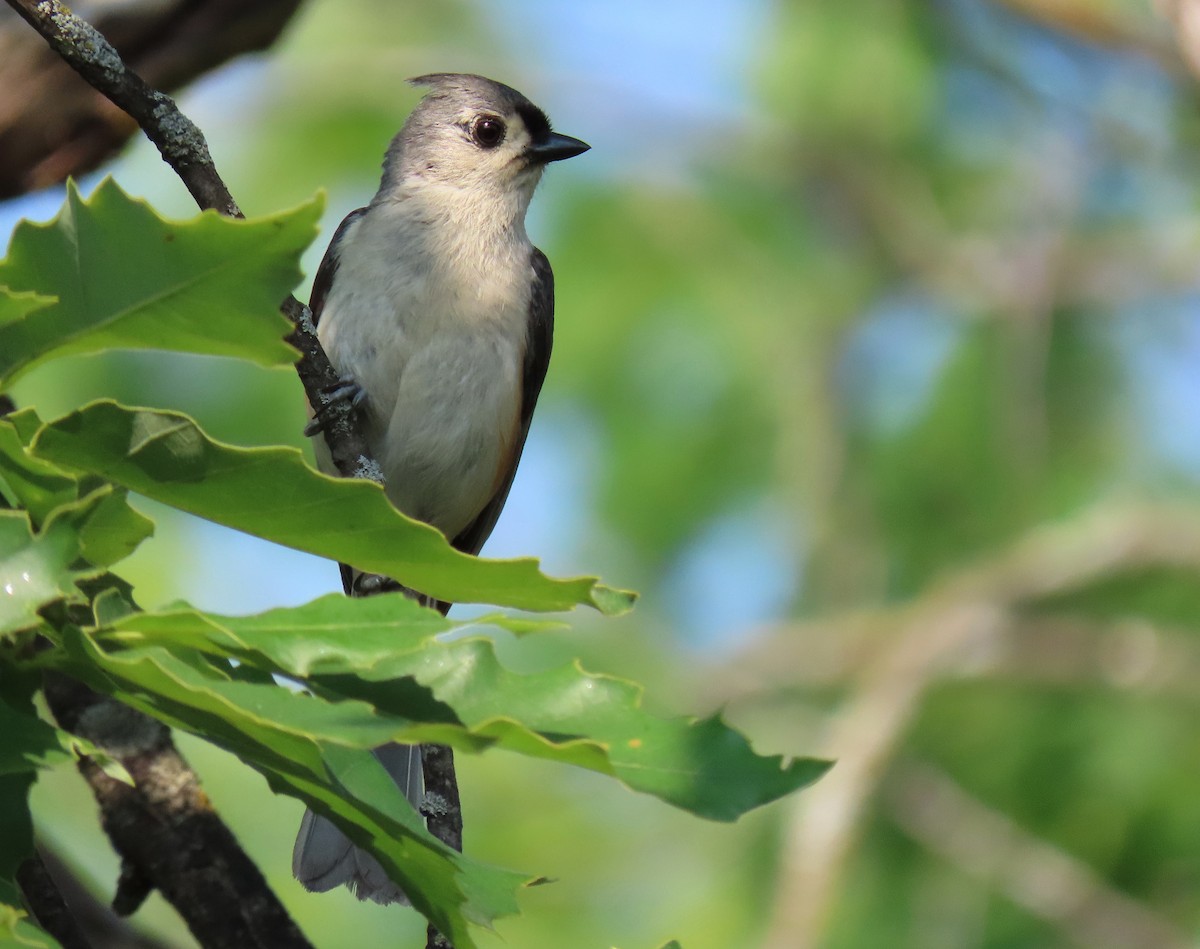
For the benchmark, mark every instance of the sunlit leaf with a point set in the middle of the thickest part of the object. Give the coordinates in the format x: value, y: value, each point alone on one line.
x: 16, y: 932
x: 15, y: 307
x: 350, y: 647
x: 316, y: 750
x: 271, y: 493
x: 124, y: 277
x: 34, y: 569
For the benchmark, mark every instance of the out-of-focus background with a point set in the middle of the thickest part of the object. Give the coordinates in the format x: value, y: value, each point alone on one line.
x: 877, y: 371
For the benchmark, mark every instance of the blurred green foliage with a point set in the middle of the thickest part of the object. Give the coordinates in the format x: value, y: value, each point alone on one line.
x: 903, y: 283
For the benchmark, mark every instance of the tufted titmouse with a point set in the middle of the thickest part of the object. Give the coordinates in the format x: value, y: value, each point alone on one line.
x: 438, y: 312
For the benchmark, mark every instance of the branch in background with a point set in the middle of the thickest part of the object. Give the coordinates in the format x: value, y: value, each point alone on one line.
x: 1118, y: 26
x: 1060, y: 650
x: 1042, y: 879
x: 1185, y: 19
x: 86, y: 51
x: 165, y: 829
x: 53, y: 126
x: 927, y: 637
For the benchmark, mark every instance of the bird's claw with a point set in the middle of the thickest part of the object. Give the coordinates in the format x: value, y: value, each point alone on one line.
x: 346, y: 389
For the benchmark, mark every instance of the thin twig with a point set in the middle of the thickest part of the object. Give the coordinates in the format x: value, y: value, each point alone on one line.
x: 53, y: 125
x: 87, y: 52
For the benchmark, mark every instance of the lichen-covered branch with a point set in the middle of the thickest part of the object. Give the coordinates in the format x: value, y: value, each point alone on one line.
x: 183, y: 146
x: 165, y: 830
x: 86, y: 51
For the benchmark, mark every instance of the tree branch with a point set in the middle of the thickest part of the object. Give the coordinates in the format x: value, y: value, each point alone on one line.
x: 103, y: 926
x: 927, y: 637
x: 443, y: 812
x: 1045, y: 880
x: 86, y: 51
x: 183, y: 147
x: 165, y: 830
x: 53, y: 125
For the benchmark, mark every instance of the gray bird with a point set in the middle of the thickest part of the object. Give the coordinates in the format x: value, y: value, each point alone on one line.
x: 438, y: 312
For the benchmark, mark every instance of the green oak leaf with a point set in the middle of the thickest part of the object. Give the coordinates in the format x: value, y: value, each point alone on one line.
x: 28, y: 743
x: 78, y: 540
x: 383, y: 651
x: 122, y: 277
x: 37, y: 486
x: 16, y: 307
x: 309, y: 748
x: 35, y: 569
x: 16, y: 932
x: 271, y: 493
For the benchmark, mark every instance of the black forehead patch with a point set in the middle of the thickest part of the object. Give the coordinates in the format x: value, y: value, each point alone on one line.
x: 535, y: 121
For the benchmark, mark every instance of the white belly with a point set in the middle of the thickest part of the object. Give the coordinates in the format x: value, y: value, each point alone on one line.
x: 450, y: 435
x: 442, y: 375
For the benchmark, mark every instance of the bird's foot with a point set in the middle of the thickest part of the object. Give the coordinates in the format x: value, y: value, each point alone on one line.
x: 346, y: 389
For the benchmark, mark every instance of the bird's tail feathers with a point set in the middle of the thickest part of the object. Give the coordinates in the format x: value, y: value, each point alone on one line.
x: 324, y: 858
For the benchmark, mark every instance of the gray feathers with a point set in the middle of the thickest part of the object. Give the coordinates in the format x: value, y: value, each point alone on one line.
x: 324, y: 858
x: 435, y: 143
x: 476, y: 92
x: 436, y: 303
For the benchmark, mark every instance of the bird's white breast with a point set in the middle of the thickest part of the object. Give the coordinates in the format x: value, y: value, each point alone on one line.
x: 432, y: 325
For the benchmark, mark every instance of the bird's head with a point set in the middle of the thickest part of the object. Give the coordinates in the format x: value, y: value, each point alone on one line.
x: 475, y: 135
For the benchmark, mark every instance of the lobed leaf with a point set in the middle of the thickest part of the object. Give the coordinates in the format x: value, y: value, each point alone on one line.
x: 271, y: 493
x: 16, y: 932
x: 35, y: 485
x: 35, y: 569
x: 373, y: 650
x: 15, y: 307
x: 112, y: 274
x: 78, y: 540
x: 315, y: 750
x: 29, y: 743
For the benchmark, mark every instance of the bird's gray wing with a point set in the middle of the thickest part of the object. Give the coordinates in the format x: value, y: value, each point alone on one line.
x: 329, y: 265
x: 316, y: 305
x: 539, y: 337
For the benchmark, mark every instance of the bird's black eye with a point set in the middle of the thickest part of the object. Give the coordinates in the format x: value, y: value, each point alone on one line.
x: 488, y: 131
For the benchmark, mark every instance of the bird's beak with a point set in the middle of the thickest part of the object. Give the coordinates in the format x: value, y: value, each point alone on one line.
x: 556, y: 148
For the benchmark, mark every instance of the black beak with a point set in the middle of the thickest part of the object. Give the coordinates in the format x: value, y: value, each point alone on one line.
x: 557, y: 147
